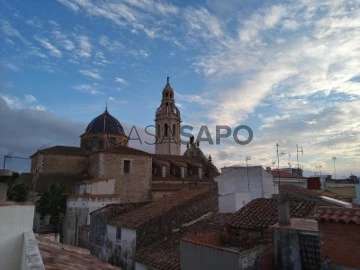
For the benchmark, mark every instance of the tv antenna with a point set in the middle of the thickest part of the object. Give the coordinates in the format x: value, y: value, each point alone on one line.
x: 301, y: 151
x: 247, y: 159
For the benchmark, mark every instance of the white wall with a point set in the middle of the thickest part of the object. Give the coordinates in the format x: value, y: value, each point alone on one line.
x: 14, y: 221
x: 253, y: 180
x: 232, y: 202
x: 128, y: 246
x: 97, y: 188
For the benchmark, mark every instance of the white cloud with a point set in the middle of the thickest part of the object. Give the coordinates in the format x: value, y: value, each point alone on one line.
x: 11, y: 66
x: 94, y: 74
x: 63, y: 40
x: 120, y: 80
x: 50, y: 47
x: 27, y: 101
x: 85, y: 46
x: 30, y: 99
x: 87, y: 88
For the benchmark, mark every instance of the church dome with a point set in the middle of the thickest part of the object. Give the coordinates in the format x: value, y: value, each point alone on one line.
x: 104, y: 123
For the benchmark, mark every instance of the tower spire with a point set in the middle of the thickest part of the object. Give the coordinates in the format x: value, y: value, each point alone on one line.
x: 167, y: 79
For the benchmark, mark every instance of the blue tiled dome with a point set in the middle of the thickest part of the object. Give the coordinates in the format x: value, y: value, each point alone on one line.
x: 105, y: 123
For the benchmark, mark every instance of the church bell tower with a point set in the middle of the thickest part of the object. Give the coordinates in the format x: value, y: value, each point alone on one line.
x: 168, y: 124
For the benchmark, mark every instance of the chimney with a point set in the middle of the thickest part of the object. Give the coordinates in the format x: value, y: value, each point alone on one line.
x: 284, y: 212
x: 5, y: 175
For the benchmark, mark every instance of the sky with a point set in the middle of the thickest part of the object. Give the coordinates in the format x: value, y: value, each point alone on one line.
x: 289, y: 70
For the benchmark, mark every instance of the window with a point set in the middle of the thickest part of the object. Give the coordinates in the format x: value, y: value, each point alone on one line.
x: 94, y: 143
x: 126, y: 166
x: 166, y: 130
x: 112, y: 140
x: 118, y: 233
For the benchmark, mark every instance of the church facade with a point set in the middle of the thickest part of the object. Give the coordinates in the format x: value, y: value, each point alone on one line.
x: 136, y: 176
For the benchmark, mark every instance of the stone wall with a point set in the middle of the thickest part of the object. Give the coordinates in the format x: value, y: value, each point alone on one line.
x: 134, y: 186
x: 64, y: 164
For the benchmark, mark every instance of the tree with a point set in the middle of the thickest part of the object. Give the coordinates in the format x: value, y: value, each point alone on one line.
x: 16, y: 191
x: 52, y: 202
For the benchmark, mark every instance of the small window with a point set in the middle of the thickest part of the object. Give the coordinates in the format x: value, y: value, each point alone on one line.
x: 118, y: 233
x: 126, y: 166
x: 166, y: 130
x: 95, y: 143
x: 112, y: 140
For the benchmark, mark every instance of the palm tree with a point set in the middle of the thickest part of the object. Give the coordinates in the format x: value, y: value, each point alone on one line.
x: 16, y: 191
x: 52, y: 202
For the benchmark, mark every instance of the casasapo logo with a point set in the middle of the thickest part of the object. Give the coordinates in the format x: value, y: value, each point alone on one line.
x: 204, y: 135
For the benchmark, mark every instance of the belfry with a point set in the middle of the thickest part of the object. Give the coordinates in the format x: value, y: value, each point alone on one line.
x: 167, y: 123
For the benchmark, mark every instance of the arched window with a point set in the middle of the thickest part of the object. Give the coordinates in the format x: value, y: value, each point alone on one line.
x: 166, y: 130
x: 167, y: 107
x: 167, y: 94
x: 174, y: 130
x: 171, y: 95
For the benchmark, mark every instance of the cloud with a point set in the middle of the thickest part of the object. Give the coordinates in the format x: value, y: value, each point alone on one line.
x: 120, y: 80
x: 87, y: 88
x: 27, y: 101
x: 138, y: 15
x: 63, y: 40
x: 50, y: 47
x: 94, y: 74
x: 11, y: 66
x: 85, y: 46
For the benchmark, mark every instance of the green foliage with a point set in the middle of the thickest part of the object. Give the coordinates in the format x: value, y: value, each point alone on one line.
x: 52, y: 201
x: 16, y: 191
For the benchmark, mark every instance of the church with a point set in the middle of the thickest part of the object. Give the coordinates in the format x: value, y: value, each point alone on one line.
x: 104, y: 169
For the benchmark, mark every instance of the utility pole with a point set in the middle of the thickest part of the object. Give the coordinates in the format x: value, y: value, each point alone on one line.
x: 10, y: 157
x: 278, y: 162
x: 297, y: 156
x: 247, y: 159
x: 334, y: 159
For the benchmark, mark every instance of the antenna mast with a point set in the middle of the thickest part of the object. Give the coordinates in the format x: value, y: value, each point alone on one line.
x: 334, y: 159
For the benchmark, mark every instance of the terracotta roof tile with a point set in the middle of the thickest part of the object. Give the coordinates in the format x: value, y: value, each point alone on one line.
x: 158, y: 207
x: 63, y: 150
x: 121, y: 149
x: 58, y: 256
x: 294, y: 192
x: 285, y: 174
x: 262, y: 213
x: 338, y: 214
x: 165, y: 254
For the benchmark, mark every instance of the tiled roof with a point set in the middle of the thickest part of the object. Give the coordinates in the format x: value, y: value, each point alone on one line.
x: 262, y: 213
x: 42, y: 181
x: 165, y: 254
x: 186, y: 159
x: 295, y: 193
x: 122, y: 149
x: 158, y: 207
x: 338, y: 214
x: 285, y: 174
x: 63, y: 150
x: 58, y: 256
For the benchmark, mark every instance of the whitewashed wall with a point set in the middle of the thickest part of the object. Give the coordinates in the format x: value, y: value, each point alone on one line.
x: 247, y: 183
x: 14, y: 221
